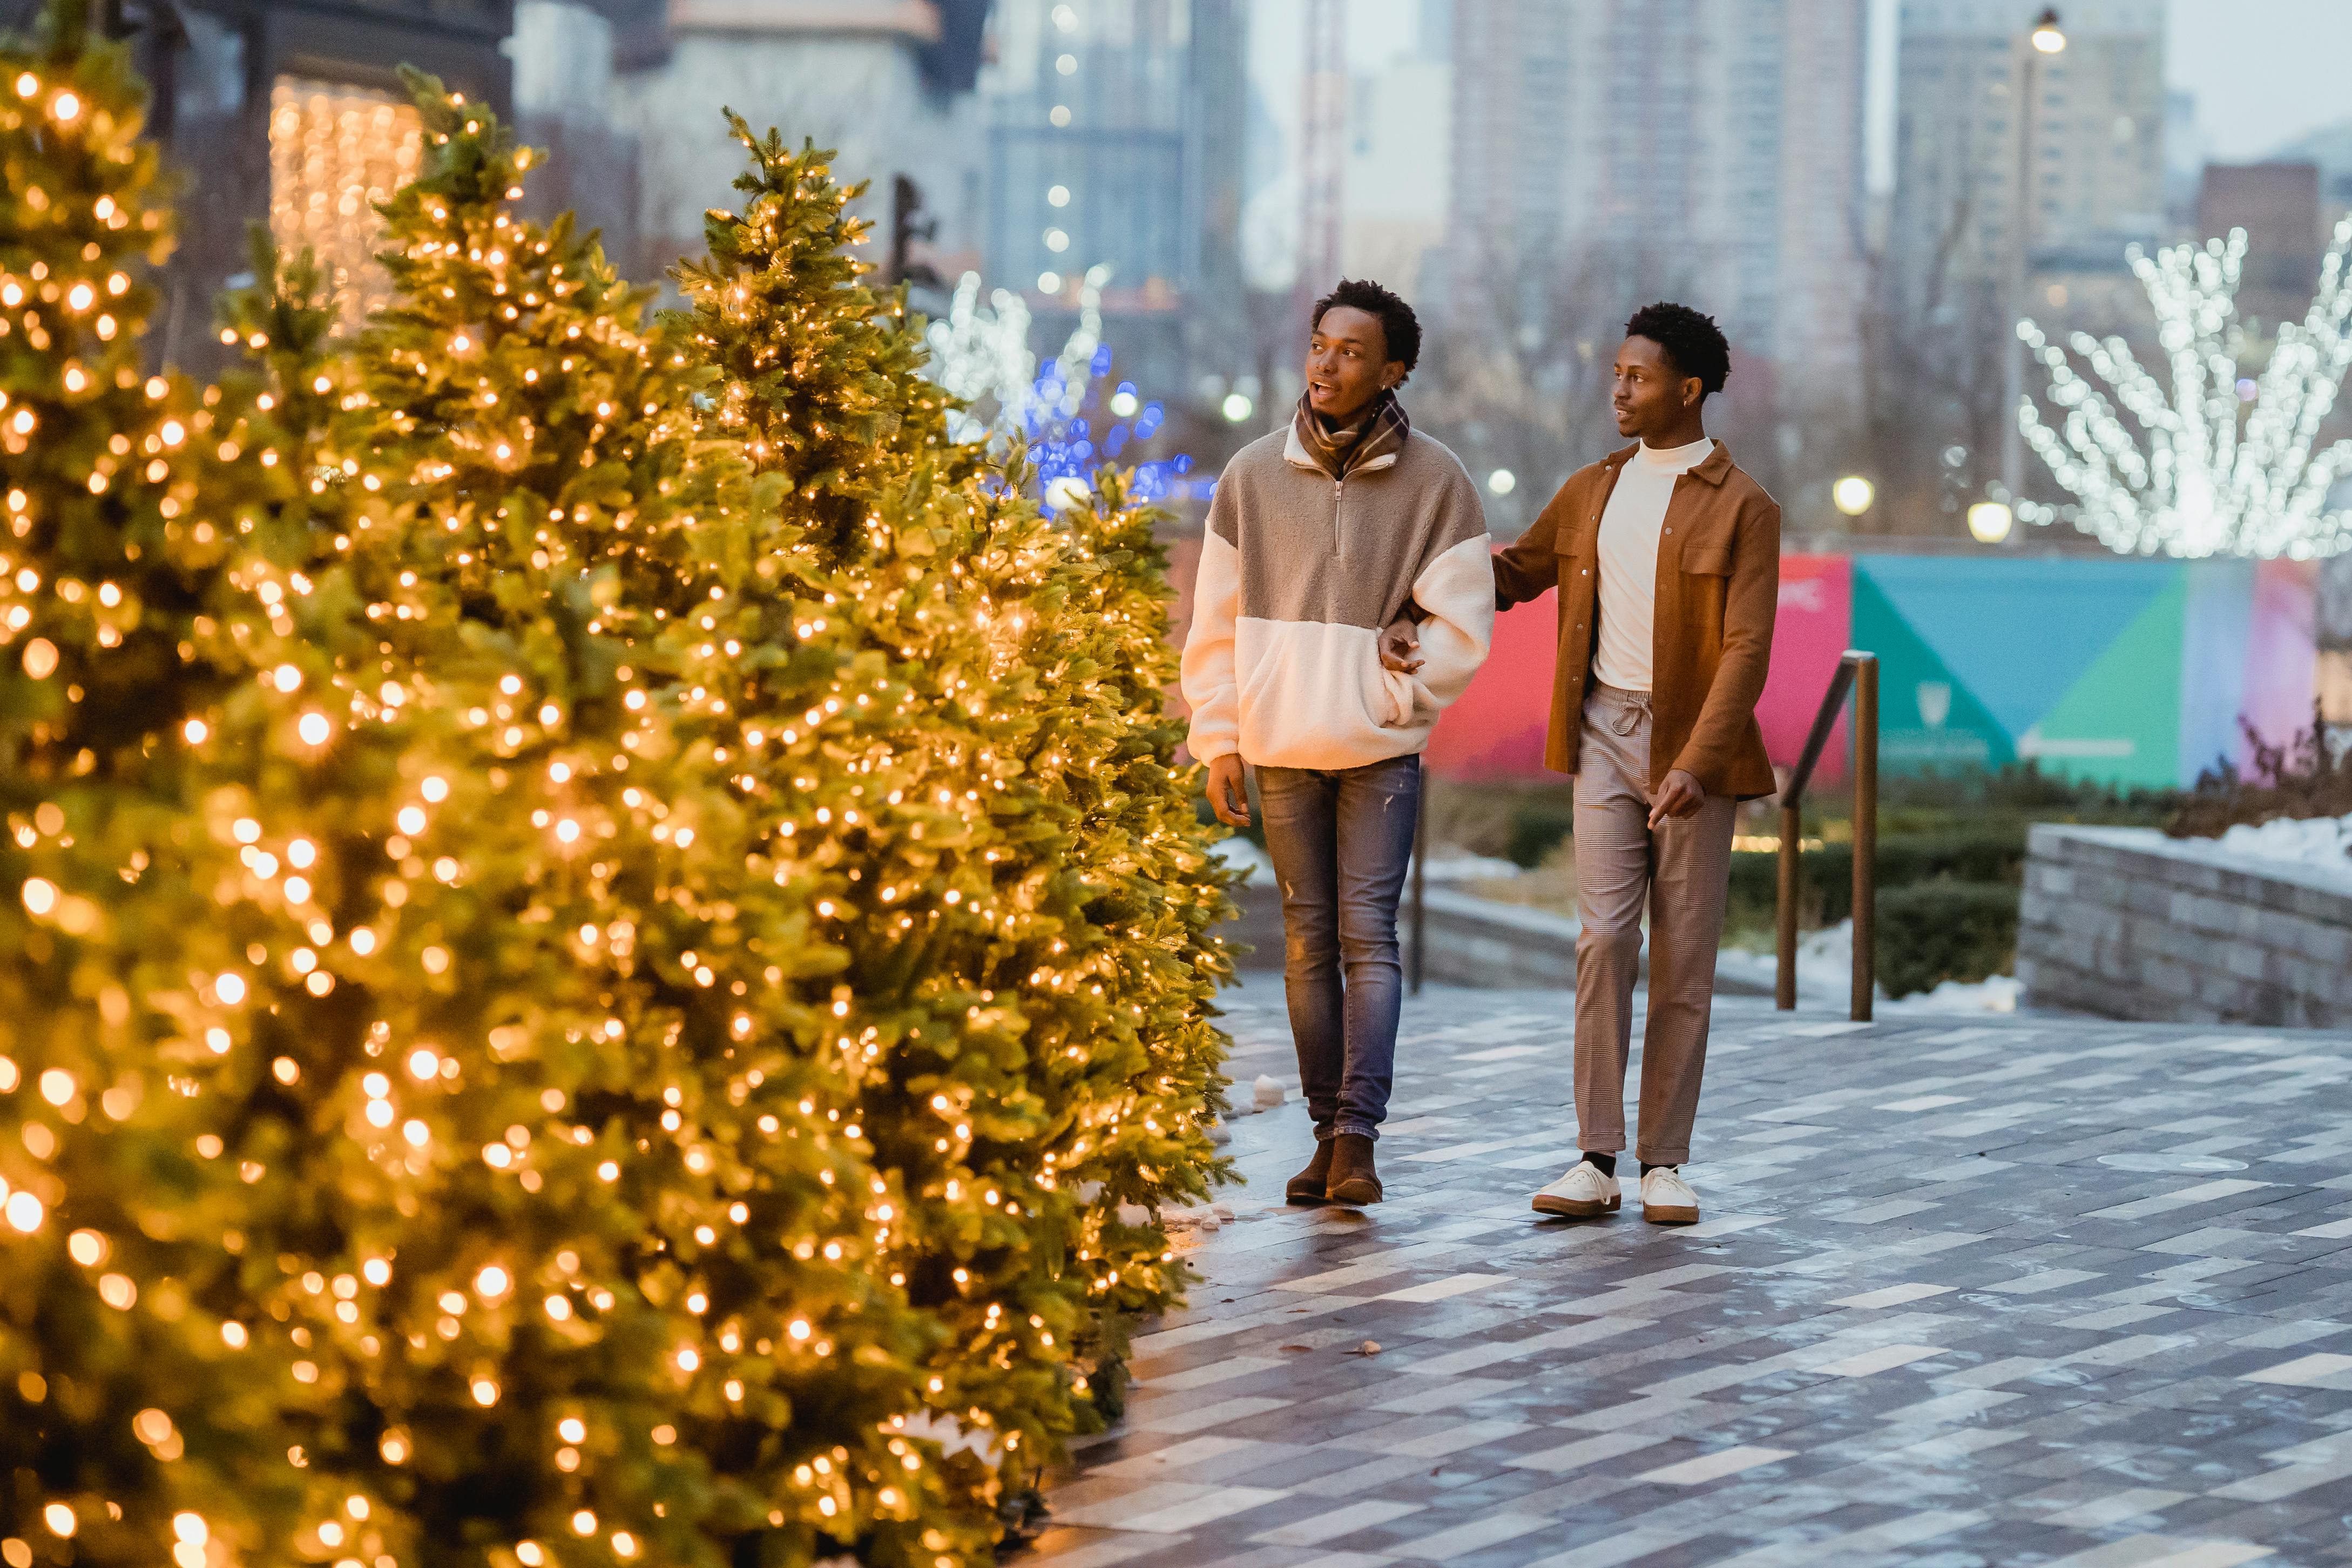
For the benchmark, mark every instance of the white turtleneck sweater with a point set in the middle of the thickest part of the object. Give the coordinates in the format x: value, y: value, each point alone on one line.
x: 1630, y: 526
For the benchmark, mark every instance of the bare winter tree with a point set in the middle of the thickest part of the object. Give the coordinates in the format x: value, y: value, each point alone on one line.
x: 1516, y: 376
x: 1517, y: 371
x: 1931, y: 403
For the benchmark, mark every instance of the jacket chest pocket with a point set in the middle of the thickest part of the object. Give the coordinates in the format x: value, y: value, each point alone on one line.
x: 1703, y: 556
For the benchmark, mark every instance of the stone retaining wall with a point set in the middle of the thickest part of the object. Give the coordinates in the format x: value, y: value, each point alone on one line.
x: 2128, y: 924
x: 1482, y: 943
x: 1477, y: 942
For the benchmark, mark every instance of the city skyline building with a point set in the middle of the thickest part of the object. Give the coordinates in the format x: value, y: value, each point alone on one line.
x: 1727, y: 171
x: 2028, y: 160
x: 2092, y: 129
x: 2279, y: 205
x: 888, y: 84
x: 1398, y: 162
x: 1114, y: 140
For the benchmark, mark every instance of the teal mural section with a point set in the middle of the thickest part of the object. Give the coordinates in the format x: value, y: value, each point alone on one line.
x: 2217, y: 631
x: 2130, y: 672
x: 1928, y: 715
x: 2120, y: 720
x: 2075, y: 665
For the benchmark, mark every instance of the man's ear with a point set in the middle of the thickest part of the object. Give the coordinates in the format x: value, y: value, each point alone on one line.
x: 1393, y: 375
x: 1694, y: 392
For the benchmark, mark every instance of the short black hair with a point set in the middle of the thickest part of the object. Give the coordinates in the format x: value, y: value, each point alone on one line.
x: 1399, y: 325
x: 1691, y: 339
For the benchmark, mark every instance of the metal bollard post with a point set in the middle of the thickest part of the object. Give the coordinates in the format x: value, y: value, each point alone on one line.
x: 1784, y: 977
x: 1866, y: 834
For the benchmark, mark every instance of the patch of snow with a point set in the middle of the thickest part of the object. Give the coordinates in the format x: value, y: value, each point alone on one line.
x: 951, y: 1436
x: 1825, y: 971
x: 1244, y: 855
x: 1457, y: 865
x: 1995, y: 993
x: 1266, y: 1092
x: 1448, y: 867
x: 2305, y: 841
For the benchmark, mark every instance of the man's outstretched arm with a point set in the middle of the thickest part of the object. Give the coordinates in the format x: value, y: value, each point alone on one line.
x: 1529, y: 564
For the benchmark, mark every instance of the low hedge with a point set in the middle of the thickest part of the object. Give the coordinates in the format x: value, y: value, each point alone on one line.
x: 1537, y: 828
x: 1937, y: 931
x: 1825, y: 875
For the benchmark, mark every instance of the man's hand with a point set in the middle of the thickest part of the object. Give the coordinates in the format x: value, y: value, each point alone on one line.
x: 1400, y: 645
x: 1228, y: 792
x: 1680, y: 795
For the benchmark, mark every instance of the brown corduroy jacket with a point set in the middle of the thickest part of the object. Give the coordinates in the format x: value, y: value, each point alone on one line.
x: 1718, y: 587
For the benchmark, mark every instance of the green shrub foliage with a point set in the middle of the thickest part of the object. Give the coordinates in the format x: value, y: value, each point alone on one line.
x: 1825, y: 874
x: 1935, y: 932
x: 607, y: 956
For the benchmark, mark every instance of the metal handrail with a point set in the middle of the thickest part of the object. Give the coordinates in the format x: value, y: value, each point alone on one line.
x: 1857, y: 671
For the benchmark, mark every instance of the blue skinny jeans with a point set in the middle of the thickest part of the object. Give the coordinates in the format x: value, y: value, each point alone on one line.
x: 1340, y: 840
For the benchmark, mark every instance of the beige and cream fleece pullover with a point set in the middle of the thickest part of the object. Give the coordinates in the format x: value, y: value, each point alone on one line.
x: 1299, y: 572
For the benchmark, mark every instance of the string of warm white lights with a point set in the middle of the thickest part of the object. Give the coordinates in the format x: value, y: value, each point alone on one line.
x: 596, y: 900
x: 2220, y: 461
x: 335, y: 151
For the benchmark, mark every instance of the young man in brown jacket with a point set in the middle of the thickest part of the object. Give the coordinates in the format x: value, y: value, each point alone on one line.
x: 1667, y: 559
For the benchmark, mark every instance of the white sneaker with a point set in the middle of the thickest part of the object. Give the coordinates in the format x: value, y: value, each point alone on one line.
x: 1582, y: 1194
x: 1667, y: 1199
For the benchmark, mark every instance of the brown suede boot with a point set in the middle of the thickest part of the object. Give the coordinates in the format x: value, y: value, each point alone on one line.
x: 1306, y: 1187
x: 1353, y: 1179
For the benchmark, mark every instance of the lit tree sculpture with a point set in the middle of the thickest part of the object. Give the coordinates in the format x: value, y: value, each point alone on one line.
x: 2224, y: 465
x: 981, y: 352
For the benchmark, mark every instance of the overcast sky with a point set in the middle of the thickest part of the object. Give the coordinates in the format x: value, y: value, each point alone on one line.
x: 2264, y: 71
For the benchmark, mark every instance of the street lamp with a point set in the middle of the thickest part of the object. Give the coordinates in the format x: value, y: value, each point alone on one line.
x: 1853, y: 495
x: 1988, y: 522
x: 2047, y: 38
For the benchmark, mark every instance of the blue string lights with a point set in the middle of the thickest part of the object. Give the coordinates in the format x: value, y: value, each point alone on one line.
x: 981, y: 353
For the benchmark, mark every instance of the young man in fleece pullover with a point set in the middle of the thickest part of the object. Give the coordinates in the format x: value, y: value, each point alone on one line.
x: 1326, y: 542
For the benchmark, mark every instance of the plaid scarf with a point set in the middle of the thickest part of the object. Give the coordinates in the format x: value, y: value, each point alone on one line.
x: 1379, y: 430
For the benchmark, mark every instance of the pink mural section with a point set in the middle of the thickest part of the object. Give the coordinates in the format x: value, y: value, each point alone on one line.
x: 2282, y: 663
x: 1496, y: 729
x: 1812, y: 631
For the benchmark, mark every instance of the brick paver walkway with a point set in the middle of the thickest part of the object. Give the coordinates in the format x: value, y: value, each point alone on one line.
x: 1967, y: 1293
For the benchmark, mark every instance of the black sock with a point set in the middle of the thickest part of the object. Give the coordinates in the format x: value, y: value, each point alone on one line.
x: 1647, y: 1167
x: 1607, y: 1163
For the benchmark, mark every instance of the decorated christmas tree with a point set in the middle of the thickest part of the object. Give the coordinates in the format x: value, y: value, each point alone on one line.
x: 995, y: 617
x: 680, y: 1158
x: 156, y: 710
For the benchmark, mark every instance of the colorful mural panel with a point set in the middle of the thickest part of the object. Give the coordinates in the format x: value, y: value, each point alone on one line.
x: 2131, y: 672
